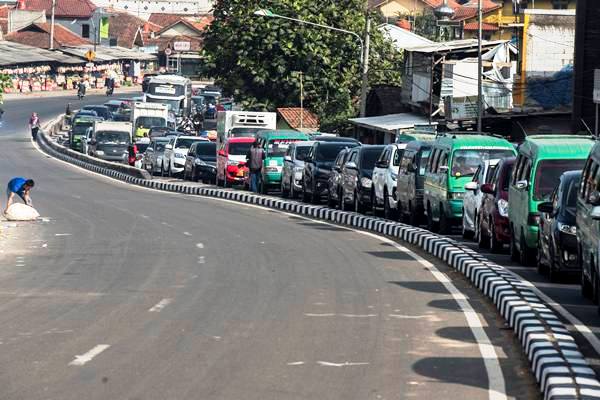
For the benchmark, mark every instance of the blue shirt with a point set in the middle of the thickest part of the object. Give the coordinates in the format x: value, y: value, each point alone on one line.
x: 16, y: 185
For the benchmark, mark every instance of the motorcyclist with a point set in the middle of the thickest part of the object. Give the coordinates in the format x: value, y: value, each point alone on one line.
x: 81, y: 88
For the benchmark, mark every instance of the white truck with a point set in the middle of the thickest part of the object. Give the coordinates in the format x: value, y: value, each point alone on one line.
x: 243, y: 124
x: 173, y: 90
x: 110, y: 141
x: 147, y: 115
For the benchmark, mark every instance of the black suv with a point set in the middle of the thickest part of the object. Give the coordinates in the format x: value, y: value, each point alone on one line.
x: 557, y: 240
x: 317, y: 168
x: 357, y: 176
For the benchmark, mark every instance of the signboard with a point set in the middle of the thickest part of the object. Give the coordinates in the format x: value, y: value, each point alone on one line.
x: 597, y: 86
x: 90, y: 55
x: 165, y: 90
x: 181, y: 46
x: 168, y: 51
x: 104, y: 28
x: 460, y: 108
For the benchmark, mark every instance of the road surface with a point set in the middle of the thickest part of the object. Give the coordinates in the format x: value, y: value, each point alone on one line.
x: 126, y: 293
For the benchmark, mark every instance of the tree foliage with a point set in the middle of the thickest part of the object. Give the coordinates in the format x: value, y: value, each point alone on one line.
x: 256, y: 59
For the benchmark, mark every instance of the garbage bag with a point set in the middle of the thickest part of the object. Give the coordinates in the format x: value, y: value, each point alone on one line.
x: 21, y: 212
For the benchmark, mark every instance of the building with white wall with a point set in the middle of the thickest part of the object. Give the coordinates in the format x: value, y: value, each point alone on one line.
x: 143, y: 8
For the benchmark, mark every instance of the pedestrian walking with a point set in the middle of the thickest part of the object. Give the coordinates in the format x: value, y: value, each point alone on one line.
x: 20, y: 187
x: 254, y: 159
x: 34, y: 125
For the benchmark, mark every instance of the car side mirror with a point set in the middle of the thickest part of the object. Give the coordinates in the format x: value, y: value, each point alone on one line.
x: 443, y: 169
x: 487, y: 188
x: 595, y: 214
x: 352, y: 165
x: 287, y: 158
x: 522, y: 185
x: 169, y: 146
x: 594, y: 199
x: 472, y: 186
x: 546, y: 207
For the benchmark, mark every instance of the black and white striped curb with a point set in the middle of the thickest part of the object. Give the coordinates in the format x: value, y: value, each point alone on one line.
x: 559, y: 367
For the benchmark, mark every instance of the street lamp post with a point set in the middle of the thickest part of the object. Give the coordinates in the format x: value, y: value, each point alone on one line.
x: 479, y: 69
x: 364, y: 53
x: 52, y: 25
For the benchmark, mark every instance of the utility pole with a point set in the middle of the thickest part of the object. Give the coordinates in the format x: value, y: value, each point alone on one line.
x: 365, y: 69
x: 301, y: 100
x: 479, y: 69
x: 52, y: 25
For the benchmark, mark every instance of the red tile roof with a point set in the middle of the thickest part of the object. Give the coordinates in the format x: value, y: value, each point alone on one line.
x: 438, y: 3
x: 469, y: 10
x: 124, y: 27
x: 474, y: 26
x: 291, y: 115
x: 166, y: 19
x: 64, y: 8
x: 38, y: 35
x: 197, y: 26
x: 4, y: 10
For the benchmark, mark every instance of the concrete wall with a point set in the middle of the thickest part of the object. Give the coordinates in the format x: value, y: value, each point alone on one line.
x: 143, y: 8
x: 394, y: 7
x: 18, y: 19
x: 77, y: 26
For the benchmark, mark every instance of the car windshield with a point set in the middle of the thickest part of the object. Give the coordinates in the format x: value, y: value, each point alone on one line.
x: 369, y: 158
x: 142, y: 147
x: 423, y: 161
x: 110, y: 137
x: 113, y: 107
x: 172, y: 104
x: 571, y: 193
x: 148, y: 122
x: 328, y: 152
x: 466, y: 162
x: 160, y: 146
x: 301, y: 152
x: 239, y: 149
x: 243, y: 132
x: 81, y: 127
x: 548, y: 174
x: 184, y: 143
x: 206, y: 149
x: 278, y: 147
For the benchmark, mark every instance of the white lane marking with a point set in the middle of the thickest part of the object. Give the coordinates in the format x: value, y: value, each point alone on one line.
x: 358, y: 315
x: 344, y: 364
x: 296, y: 363
x: 62, y: 234
x: 399, y: 316
x: 320, y: 315
x: 201, y: 260
x: 187, y: 234
x: 144, y: 216
x: 160, y: 305
x: 89, y: 356
x: 45, y: 245
x: 76, y: 196
x: 200, y: 245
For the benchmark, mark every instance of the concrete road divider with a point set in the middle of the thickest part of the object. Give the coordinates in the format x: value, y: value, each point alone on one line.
x: 556, y: 362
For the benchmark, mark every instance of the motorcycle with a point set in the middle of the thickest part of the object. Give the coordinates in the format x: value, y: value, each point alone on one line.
x: 109, y: 91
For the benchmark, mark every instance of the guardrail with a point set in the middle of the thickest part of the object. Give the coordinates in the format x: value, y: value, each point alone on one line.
x: 556, y: 362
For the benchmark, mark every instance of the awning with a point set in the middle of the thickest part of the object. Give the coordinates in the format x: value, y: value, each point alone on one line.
x: 115, y: 53
x: 12, y: 53
x: 391, y: 123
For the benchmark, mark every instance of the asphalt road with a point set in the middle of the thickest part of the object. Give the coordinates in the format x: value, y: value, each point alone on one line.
x: 126, y: 293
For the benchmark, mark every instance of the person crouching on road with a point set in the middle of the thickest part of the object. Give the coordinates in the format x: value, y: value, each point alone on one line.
x: 34, y: 125
x: 20, y: 187
x: 254, y: 159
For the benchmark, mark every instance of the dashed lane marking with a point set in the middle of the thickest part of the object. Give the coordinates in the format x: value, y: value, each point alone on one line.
x: 83, y: 359
x: 160, y: 305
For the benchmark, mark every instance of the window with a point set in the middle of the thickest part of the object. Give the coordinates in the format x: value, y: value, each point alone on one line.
x: 404, y: 163
x: 85, y: 31
x: 517, y: 169
x: 397, y: 157
x: 385, y: 155
x: 442, y: 161
x: 560, y: 4
x: 548, y: 173
x: 431, y: 163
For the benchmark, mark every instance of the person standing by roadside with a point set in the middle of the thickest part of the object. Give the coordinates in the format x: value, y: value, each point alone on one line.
x: 254, y: 159
x: 34, y: 125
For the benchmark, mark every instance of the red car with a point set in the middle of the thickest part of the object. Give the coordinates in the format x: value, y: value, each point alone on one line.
x: 231, y: 161
x: 494, y: 226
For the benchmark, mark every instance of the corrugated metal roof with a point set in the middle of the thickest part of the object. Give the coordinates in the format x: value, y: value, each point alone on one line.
x: 444, y: 47
x: 392, y: 122
x: 12, y: 53
x: 104, y: 53
x: 402, y: 38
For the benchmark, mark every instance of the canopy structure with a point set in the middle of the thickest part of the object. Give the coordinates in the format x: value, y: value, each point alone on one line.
x: 17, y: 54
x: 391, y: 123
x: 107, y: 54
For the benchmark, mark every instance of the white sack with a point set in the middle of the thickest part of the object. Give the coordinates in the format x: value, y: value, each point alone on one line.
x: 21, y: 212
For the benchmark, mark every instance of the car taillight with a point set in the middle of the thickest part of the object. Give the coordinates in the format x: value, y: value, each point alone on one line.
x: 533, y: 219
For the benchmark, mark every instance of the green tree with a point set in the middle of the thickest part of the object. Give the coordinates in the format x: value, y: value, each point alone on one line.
x: 256, y: 58
x: 5, y: 82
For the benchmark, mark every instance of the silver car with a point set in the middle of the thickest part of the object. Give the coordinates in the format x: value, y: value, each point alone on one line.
x: 293, y: 165
x: 153, y: 156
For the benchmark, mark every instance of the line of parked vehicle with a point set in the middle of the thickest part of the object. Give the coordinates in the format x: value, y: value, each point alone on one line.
x: 539, y: 200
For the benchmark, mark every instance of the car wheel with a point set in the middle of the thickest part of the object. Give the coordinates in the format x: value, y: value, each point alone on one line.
x: 445, y: 225
x: 314, y: 197
x: 539, y: 259
x: 553, y: 274
x: 466, y: 234
x: 586, y: 286
x: 330, y: 200
x: 413, y: 217
x: 431, y: 224
x: 388, y: 211
x: 495, y: 245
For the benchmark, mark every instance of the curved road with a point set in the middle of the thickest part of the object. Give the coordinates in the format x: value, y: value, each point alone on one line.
x: 126, y: 293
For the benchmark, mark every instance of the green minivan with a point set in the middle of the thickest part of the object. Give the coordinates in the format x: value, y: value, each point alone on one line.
x: 275, y: 144
x: 542, y: 159
x: 588, y: 225
x: 454, y: 159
